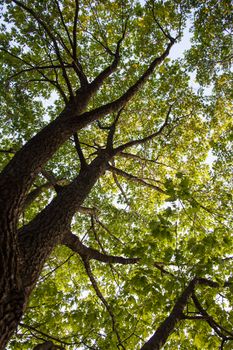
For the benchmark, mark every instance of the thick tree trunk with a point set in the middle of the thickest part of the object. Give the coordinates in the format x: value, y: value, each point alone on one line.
x: 37, y: 240
x: 12, y: 307
x: 11, y: 293
x: 15, y: 181
x: 39, y: 237
x: 17, y: 177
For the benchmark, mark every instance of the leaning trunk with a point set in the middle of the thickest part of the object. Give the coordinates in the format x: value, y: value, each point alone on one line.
x: 11, y: 293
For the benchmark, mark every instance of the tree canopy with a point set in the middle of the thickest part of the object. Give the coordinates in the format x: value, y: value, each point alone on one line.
x: 116, y: 175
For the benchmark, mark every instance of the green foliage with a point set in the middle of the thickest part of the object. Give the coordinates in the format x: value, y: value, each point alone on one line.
x: 186, y: 227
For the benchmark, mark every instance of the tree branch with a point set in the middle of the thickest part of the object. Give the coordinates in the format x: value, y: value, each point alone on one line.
x: 89, y: 211
x: 48, y: 274
x: 35, y: 193
x: 47, y: 229
x: 79, y: 151
x: 29, y: 160
x: 75, y: 29
x: 134, y: 178
x: 116, y: 105
x: 147, y: 138
x: 167, y: 35
x: 63, y: 22
x: 167, y: 326
x: 101, y: 297
x: 160, y: 267
x: 121, y: 189
x: 52, y: 37
x: 112, y: 130
x: 141, y: 159
x: 222, y: 332
x: 76, y: 65
x: 98, y: 81
x: 73, y: 242
x: 39, y: 68
x: 29, y: 327
x: 52, y: 179
x: 109, y: 232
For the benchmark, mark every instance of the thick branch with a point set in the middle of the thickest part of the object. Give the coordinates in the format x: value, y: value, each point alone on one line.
x: 98, y: 81
x: 129, y: 94
x: 73, y: 242
x: 28, y: 161
x: 79, y: 151
x: 168, y: 325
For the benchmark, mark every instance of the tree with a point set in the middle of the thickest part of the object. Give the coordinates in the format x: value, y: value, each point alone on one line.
x: 115, y: 230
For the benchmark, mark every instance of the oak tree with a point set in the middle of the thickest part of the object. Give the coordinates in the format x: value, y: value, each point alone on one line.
x: 116, y: 175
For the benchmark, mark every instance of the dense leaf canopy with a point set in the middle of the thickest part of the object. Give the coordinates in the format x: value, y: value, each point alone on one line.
x: 158, y: 217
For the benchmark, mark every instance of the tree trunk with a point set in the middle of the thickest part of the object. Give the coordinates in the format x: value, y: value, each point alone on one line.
x: 12, y: 299
x: 37, y: 240
x: 40, y: 237
x: 168, y: 325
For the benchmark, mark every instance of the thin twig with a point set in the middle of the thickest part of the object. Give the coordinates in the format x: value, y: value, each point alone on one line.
x: 101, y: 297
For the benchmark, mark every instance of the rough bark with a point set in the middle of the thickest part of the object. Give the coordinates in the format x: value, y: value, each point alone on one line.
x: 47, y: 229
x: 12, y: 306
x: 36, y: 241
x: 11, y: 292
